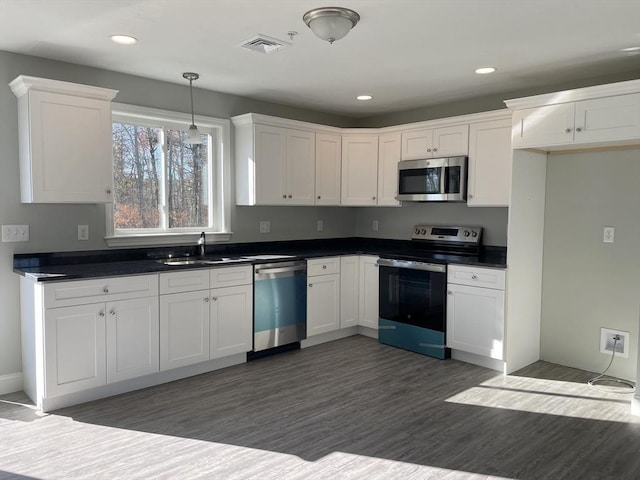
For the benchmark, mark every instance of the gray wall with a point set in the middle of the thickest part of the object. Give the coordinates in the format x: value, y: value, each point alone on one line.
x: 397, y: 222
x: 588, y: 284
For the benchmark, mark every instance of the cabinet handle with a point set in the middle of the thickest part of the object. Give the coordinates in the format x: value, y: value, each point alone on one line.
x: 101, y: 314
x: 108, y: 191
x: 319, y: 197
x: 324, y: 267
x: 470, y: 196
x: 435, y: 149
x: 105, y: 290
x: 206, y: 299
x: 214, y: 299
x: 112, y: 313
x: 449, y: 292
x: 578, y: 129
x: 373, y: 198
x: 289, y: 196
x: 568, y: 130
x: 428, y: 149
x: 474, y: 277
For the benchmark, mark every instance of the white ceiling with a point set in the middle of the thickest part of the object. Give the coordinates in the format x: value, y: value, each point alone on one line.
x: 406, y: 53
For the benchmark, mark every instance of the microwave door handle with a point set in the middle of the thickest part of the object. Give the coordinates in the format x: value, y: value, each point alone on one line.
x: 443, y: 175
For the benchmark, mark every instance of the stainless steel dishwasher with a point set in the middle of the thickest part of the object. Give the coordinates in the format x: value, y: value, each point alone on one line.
x: 279, y: 304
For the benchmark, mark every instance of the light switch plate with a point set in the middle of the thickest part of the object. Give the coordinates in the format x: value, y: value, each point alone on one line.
x: 608, y: 234
x: 83, y: 232
x: 15, y: 233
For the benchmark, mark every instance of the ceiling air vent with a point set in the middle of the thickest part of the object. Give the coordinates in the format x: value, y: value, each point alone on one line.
x: 263, y: 44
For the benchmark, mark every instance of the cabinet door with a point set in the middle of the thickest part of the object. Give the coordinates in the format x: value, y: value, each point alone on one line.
x: 543, y: 126
x: 323, y: 304
x: 328, y: 166
x: 184, y: 329
x: 608, y: 119
x: 389, y: 147
x: 450, y: 141
x: 270, y: 155
x: 74, y: 342
x: 301, y: 159
x: 475, y: 320
x: 231, y: 320
x: 417, y: 144
x: 490, y: 160
x: 359, y: 169
x: 349, y: 290
x: 66, y: 134
x: 369, y: 291
x: 133, y: 331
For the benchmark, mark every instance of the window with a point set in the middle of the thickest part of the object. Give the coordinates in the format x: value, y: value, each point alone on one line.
x: 165, y: 190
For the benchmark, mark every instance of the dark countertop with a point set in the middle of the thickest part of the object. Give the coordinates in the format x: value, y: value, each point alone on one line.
x: 58, y: 266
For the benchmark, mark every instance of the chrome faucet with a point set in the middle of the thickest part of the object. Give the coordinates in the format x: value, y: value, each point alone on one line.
x: 202, y: 242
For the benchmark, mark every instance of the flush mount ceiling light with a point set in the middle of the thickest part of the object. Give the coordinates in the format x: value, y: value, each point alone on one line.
x: 121, y: 39
x: 364, y: 97
x: 485, y: 70
x: 331, y: 23
x: 193, y: 136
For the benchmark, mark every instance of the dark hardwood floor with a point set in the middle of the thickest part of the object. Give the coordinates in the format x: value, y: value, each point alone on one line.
x: 350, y: 409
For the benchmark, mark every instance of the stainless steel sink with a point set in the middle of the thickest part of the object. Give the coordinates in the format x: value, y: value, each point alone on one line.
x: 201, y: 261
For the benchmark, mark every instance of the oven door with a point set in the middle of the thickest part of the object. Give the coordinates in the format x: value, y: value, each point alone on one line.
x: 413, y: 293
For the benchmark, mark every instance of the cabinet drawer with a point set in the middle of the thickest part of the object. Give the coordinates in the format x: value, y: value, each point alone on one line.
x: 323, y: 266
x: 99, y: 290
x: 230, y: 276
x: 184, y: 281
x: 476, y: 276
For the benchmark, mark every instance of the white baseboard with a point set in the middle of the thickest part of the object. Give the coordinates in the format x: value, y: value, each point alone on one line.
x: 368, y: 332
x: 479, y: 360
x: 635, y: 405
x: 10, y: 383
x: 328, y: 337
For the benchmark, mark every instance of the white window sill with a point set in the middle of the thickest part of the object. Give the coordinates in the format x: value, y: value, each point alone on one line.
x: 153, y: 239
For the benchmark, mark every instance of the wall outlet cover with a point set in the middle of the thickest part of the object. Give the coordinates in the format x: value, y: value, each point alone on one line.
x: 265, y: 226
x: 608, y: 234
x: 607, y: 341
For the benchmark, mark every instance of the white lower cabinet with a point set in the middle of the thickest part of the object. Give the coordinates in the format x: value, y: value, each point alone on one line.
x: 323, y: 295
x: 368, y: 294
x: 475, y: 310
x: 199, y: 323
x: 133, y: 334
x: 74, y: 349
x: 184, y: 329
x: 231, y: 329
x: 349, y: 290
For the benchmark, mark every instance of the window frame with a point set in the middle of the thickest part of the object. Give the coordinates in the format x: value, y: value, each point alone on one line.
x: 219, y: 183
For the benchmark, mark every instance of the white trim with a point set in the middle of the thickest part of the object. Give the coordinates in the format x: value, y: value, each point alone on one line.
x: 328, y: 337
x: 635, y: 405
x: 165, y: 239
x: 599, y: 91
x: 10, y: 383
x: 23, y: 83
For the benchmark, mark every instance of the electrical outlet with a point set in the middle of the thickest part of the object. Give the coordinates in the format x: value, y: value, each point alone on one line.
x: 15, y: 233
x: 375, y: 225
x: 608, y: 340
x: 83, y: 232
x: 608, y: 234
x: 265, y: 226
x: 320, y: 225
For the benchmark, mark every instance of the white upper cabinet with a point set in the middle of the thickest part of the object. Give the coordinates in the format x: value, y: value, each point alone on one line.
x: 490, y: 160
x: 328, y: 168
x: 65, y: 141
x: 359, y: 170
x: 606, y: 115
x: 389, y: 146
x: 435, y: 142
x: 275, y: 165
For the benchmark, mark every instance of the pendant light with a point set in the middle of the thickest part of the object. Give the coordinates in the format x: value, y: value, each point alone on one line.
x: 193, y: 136
x: 331, y: 23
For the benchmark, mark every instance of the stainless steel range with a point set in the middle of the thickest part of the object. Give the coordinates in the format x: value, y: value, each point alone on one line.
x: 413, y: 284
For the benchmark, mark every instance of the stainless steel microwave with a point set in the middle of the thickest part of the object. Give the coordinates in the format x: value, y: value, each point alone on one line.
x: 433, y: 180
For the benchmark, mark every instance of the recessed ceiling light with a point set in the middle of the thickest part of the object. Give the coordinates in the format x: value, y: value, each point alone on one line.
x: 485, y: 70
x: 364, y: 97
x: 630, y: 50
x: 121, y: 39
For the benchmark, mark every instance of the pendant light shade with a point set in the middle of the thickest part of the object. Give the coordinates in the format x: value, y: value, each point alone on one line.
x: 331, y: 23
x: 193, y: 136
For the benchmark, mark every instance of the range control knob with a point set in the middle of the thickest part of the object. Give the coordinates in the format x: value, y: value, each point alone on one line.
x: 417, y: 232
x: 466, y: 233
x: 474, y: 234
x: 423, y: 231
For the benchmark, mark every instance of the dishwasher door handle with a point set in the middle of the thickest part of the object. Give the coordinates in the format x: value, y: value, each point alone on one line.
x: 267, y: 271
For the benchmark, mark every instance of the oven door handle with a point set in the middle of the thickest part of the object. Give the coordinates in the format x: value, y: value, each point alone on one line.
x: 429, y: 267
